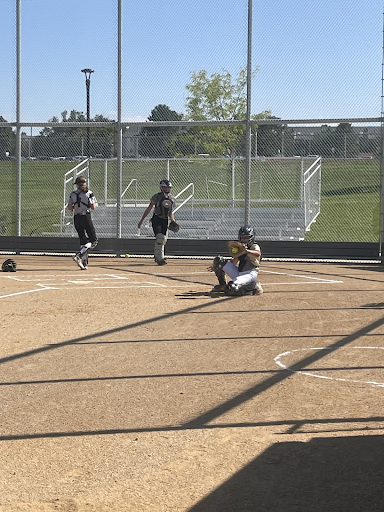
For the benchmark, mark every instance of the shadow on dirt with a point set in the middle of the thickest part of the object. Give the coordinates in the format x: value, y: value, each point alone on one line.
x: 374, y: 267
x: 325, y: 474
x: 196, y: 295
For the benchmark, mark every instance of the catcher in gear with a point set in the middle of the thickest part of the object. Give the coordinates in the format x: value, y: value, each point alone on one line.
x: 242, y: 269
x: 162, y: 219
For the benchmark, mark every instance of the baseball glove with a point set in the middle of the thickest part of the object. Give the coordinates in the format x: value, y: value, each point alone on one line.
x: 174, y: 226
x: 236, y: 249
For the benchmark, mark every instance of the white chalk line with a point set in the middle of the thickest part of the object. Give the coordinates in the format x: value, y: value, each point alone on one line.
x: 302, y: 277
x: 278, y: 361
x: 93, y: 283
x: 79, y: 276
x: 27, y: 291
x: 298, y: 282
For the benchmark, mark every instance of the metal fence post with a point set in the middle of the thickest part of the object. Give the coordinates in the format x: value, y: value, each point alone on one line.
x: 105, y: 181
x: 18, y: 117
x: 381, y: 227
x: 119, y: 134
x: 233, y: 181
x: 248, y: 119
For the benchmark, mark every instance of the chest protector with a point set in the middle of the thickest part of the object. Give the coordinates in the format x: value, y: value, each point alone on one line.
x: 242, y: 261
x: 164, y: 207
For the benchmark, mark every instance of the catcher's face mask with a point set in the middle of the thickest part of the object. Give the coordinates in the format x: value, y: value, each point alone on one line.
x: 246, y: 235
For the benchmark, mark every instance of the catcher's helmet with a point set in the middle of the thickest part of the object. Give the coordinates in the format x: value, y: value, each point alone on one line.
x: 246, y: 235
x: 165, y: 186
x: 9, y: 266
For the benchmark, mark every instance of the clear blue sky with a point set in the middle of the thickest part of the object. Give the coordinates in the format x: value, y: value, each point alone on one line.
x: 316, y: 58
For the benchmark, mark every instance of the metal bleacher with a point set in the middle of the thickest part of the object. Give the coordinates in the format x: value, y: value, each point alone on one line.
x: 205, y: 219
x: 270, y: 223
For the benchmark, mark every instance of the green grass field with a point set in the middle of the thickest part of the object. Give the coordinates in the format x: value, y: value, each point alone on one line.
x: 350, y: 190
x: 350, y: 202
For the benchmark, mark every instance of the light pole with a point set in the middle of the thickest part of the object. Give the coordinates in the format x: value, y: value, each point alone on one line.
x: 87, y: 73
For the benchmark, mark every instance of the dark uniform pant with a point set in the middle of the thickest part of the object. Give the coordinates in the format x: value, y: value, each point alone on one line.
x: 159, y: 225
x: 85, y: 228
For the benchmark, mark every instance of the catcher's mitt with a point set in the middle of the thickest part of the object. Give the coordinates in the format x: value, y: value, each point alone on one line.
x: 236, y: 249
x: 174, y: 226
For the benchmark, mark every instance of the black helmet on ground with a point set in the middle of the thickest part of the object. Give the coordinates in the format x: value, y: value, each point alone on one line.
x: 9, y: 265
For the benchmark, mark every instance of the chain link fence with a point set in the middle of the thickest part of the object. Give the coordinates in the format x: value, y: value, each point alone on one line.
x: 330, y: 195
x: 313, y: 179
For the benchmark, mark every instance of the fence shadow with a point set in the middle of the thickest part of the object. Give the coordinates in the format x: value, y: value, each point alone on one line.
x: 334, y: 474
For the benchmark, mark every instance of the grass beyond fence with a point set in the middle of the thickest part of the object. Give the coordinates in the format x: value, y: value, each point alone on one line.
x: 350, y: 202
x: 350, y: 191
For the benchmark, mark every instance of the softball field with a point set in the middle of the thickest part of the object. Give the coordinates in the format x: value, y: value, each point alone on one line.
x: 132, y: 388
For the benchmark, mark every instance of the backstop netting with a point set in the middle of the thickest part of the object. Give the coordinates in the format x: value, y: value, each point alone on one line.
x: 303, y: 164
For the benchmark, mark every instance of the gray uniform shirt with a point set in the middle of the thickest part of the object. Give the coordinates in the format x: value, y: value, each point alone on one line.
x: 82, y: 201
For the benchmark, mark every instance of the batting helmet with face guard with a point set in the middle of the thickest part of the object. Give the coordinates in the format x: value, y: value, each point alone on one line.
x: 9, y: 266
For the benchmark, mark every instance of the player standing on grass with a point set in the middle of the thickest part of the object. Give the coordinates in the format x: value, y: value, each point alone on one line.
x: 81, y: 202
x: 164, y: 204
x: 242, y: 268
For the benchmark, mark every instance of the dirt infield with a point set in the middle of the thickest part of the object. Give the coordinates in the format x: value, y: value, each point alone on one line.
x: 130, y: 387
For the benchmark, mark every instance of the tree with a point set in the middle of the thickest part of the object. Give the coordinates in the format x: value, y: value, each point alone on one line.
x: 323, y: 142
x: 154, y: 142
x: 339, y: 142
x: 275, y: 139
x: 69, y: 141
x: 346, y: 141
x: 217, y: 97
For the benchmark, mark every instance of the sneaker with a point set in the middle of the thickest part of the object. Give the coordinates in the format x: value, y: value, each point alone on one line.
x: 258, y: 290
x: 232, y: 289
x: 84, y: 261
x: 77, y: 259
x: 218, y: 288
x: 161, y: 262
